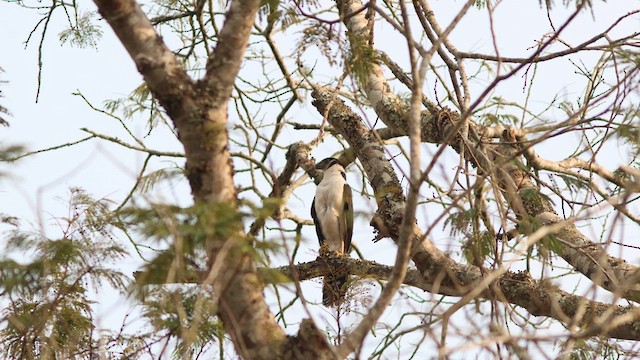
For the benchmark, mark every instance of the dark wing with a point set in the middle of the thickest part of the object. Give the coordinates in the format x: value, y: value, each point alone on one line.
x: 314, y: 216
x: 347, y: 209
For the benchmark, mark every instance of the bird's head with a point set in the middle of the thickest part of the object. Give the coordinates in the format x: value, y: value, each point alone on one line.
x: 327, y: 163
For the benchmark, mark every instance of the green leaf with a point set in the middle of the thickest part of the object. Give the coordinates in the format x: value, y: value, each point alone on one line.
x: 84, y: 33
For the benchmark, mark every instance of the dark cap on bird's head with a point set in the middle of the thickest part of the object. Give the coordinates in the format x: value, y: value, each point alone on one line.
x: 327, y: 163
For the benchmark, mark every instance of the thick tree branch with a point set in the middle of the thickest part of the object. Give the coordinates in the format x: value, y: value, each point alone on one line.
x: 391, y: 110
x: 494, y: 159
x: 357, y: 335
x: 538, y: 297
x: 503, y: 160
x: 387, y: 189
x: 161, y: 71
x: 224, y: 63
x: 587, y: 257
x: 446, y: 276
x: 200, y: 115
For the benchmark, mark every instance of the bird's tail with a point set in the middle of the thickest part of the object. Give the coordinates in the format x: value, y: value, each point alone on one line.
x: 334, y: 290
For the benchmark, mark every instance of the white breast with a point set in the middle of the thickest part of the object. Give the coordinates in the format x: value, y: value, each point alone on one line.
x: 329, y: 207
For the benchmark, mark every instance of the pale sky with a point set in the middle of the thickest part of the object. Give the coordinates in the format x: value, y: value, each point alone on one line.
x: 37, y: 189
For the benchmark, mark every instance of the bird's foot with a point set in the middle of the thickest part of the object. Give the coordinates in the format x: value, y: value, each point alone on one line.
x: 325, y: 251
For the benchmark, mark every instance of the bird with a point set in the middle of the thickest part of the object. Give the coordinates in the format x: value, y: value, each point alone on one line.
x: 332, y: 213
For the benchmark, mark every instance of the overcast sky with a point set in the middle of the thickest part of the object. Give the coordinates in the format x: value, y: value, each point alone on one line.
x: 37, y: 189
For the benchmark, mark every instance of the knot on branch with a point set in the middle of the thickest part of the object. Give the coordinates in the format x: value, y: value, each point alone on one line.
x: 508, y: 155
x: 297, y: 155
x: 323, y: 98
x: 519, y: 286
x: 380, y: 228
x: 334, y: 263
x: 535, y: 202
x: 310, y: 343
x: 448, y: 131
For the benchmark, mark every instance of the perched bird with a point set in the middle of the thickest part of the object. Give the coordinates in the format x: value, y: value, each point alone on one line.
x: 332, y: 213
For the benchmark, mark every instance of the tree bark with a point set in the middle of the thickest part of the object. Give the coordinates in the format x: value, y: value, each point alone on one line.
x: 502, y: 161
x: 199, y: 113
x: 440, y: 274
x: 198, y: 110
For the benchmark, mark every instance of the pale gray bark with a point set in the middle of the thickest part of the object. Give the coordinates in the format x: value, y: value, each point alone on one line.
x: 199, y: 112
x: 503, y: 162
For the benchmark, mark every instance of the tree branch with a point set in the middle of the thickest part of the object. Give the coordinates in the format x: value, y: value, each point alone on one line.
x: 200, y: 115
x: 538, y: 297
x: 224, y: 63
x: 502, y: 160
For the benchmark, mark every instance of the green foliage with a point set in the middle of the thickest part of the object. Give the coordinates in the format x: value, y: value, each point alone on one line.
x: 477, y: 248
x: 166, y: 222
x: 184, y: 234
x: 550, y: 3
x: 480, y: 4
x: 184, y: 311
x: 169, y: 266
x: 573, y: 184
x: 628, y: 131
x: 552, y: 243
x: 592, y: 349
x: 139, y: 102
x: 535, y: 201
x: 186, y: 314
x: 19, y: 278
x: 176, y: 230
x: 286, y: 12
x: 459, y: 221
x: 576, y: 187
x: 147, y: 182
x: 269, y: 205
x: 49, y: 312
x: 567, y: 107
x: 83, y: 32
x: 9, y: 154
x: 543, y: 249
x: 269, y: 9
x: 323, y: 38
x: 500, y: 117
x: 361, y: 58
x: 476, y: 245
x: 272, y: 276
x: 58, y: 329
